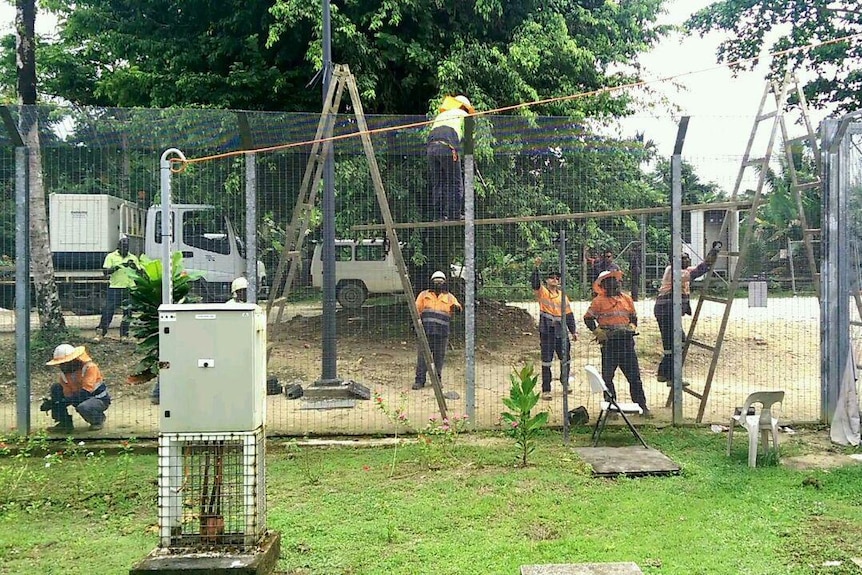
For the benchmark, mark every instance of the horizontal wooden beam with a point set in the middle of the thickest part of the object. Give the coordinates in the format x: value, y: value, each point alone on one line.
x: 557, y: 217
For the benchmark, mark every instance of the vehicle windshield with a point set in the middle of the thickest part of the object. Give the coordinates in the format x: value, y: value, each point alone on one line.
x: 206, y: 230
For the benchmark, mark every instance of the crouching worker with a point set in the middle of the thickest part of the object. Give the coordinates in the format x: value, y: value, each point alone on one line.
x: 612, y: 319
x: 80, y: 386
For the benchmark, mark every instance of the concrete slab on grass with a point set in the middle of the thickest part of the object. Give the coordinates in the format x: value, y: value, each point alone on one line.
x: 583, y: 569
x: 259, y: 562
x: 629, y: 460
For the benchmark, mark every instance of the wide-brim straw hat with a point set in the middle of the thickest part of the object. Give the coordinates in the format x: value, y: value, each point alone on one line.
x: 74, y: 354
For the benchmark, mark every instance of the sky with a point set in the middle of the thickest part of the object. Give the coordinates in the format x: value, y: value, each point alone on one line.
x: 721, y: 106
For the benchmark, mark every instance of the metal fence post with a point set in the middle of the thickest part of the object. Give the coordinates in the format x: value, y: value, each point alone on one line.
x: 676, y: 241
x: 22, y: 289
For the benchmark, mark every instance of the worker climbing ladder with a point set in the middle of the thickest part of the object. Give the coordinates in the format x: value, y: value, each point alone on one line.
x: 770, y: 119
x: 296, y: 231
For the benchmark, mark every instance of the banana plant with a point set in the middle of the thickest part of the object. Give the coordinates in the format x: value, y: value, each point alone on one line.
x: 146, y: 297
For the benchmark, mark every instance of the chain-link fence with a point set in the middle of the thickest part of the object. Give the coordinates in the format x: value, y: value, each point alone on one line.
x: 534, y: 178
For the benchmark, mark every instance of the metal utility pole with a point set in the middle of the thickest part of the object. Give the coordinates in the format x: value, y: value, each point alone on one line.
x: 329, y: 375
x: 676, y: 235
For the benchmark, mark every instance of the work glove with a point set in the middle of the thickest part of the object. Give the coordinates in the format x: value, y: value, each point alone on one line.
x: 712, y: 256
x: 47, y: 404
x: 601, y: 335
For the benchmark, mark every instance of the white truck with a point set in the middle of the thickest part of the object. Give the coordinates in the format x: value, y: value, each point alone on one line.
x: 364, y: 268
x: 83, y: 228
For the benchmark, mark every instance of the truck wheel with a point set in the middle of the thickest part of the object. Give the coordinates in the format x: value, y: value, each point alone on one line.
x: 351, y: 295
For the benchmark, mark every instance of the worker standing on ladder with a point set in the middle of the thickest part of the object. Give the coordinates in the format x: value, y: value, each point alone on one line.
x: 612, y: 319
x: 664, y: 304
x: 444, y: 158
x: 435, y: 307
x: 551, y: 328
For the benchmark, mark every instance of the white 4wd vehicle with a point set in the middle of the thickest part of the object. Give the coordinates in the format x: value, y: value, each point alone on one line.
x: 363, y: 268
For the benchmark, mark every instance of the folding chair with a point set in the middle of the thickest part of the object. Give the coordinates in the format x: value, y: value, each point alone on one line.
x: 757, y: 422
x: 609, y: 405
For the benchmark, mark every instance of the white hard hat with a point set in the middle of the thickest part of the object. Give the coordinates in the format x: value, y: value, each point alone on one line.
x: 64, y: 353
x: 238, y: 284
x: 438, y: 275
x: 465, y: 101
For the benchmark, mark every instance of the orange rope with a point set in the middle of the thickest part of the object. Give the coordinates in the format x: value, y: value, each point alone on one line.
x: 596, y: 92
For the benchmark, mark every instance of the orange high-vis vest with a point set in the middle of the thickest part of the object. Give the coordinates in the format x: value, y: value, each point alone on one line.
x: 550, y: 306
x: 436, y: 311
x: 88, y: 378
x: 612, y: 312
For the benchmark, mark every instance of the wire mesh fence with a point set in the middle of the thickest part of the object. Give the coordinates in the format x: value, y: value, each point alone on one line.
x: 535, y: 178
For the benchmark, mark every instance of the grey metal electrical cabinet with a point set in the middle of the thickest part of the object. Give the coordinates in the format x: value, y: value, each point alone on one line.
x: 213, y: 367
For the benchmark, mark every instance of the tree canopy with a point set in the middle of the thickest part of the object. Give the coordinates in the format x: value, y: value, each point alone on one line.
x: 761, y: 24
x: 263, y: 54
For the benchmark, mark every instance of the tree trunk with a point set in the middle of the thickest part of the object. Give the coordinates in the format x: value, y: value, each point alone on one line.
x: 41, y: 265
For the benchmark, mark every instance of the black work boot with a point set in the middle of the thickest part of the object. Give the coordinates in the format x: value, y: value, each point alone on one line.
x: 62, y: 427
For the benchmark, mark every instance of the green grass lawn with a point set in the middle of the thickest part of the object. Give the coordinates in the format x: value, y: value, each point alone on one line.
x: 461, y: 509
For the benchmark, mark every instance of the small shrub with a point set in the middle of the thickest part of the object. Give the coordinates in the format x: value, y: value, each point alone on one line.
x: 436, y: 439
x: 520, y: 423
x: 146, y: 297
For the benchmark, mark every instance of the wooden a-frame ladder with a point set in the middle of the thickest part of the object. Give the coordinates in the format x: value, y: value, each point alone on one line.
x: 776, y: 94
x: 296, y: 230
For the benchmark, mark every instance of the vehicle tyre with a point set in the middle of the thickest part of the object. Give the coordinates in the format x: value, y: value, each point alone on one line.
x: 351, y: 294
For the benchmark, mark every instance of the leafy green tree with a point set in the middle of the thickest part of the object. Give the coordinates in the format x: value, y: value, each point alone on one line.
x: 777, y: 220
x: 835, y: 67
x: 262, y: 54
x: 166, y: 54
x: 496, y: 52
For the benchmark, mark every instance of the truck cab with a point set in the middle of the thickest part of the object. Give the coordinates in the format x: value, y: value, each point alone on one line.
x: 209, y: 245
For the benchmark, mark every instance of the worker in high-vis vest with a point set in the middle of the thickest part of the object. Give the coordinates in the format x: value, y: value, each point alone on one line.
x: 436, y: 307
x: 552, y: 332
x: 80, y: 386
x: 118, y: 265
x: 663, y: 309
x: 612, y: 319
x: 444, y: 159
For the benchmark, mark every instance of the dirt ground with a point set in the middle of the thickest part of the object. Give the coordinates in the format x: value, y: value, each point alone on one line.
x: 768, y: 348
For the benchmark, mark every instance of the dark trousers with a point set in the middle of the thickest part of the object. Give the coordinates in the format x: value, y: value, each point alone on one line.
x: 664, y: 318
x: 447, y: 187
x: 438, y: 345
x: 636, y: 284
x: 89, y: 407
x: 117, y: 297
x: 551, y: 344
x: 620, y: 352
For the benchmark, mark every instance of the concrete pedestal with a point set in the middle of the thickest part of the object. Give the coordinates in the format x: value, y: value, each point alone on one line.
x: 260, y: 562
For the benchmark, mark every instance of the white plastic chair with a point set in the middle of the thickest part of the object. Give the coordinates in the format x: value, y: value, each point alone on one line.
x: 608, y: 405
x: 760, y: 423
